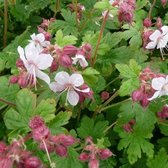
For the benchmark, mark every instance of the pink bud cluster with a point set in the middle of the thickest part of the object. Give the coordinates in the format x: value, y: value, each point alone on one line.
x: 145, y: 91
x: 64, y: 56
x: 128, y: 127
x: 21, y: 78
x: 92, y: 154
x: 79, y: 8
x: 47, y: 141
x: 14, y: 155
x: 43, y: 28
x: 163, y: 114
x: 126, y: 11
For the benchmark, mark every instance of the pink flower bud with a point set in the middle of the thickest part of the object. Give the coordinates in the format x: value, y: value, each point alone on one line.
x: 70, y: 50
x: 22, y: 81
x: 105, y: 95
x: 3, y: 147
x: 164, y: 3
x: 50, y: 146
x: 36, y: 122
x: 67, y: 140
x: 147, y: 22
x: 127, y: 127
x: 132, y: 122
x: 13, y: 79
x: 87, y: 47
x: 40, y: 133
x: 164, y: 113
x: 145, y: 37
x: 47, y: 36
x: 144, y: 102
x: 61, y: 150
x: 137, y: 95
x: 45, y: 23
x: 125, y: 13
x: 54, y: 66
x: 65, y: 61
x: 84, y: 157
x: 6, y: 162
x: 19, y: 63
x: 94, y: 163
x: 32, y: 162
x: 159, y: 23
x: 104, y: 153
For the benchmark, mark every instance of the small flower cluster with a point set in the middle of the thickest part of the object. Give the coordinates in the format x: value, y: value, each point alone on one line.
x: 126, y: 10
x: 40, y: 55
x: 128, y: 127
x: 92, y: 154
x: 163, y: 114
x: 47, y: 141
x: 157, y: 38
x: 14, y: 155
x: 151, y: 86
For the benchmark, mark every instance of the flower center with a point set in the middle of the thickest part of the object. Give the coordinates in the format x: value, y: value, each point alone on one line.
x: 69, y: 85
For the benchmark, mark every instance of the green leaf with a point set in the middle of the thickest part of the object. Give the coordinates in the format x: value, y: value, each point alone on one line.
x: 160, y: 160
x: 7, y: 91
x: 137, y: 141
x: 91, y: 127
x: 61, y: 119
x: 104, y: 5
x: 64, y: 40
x: 68, y: 162
x: 46, y: 109
x: 128, y: 86
x: 26, y: 109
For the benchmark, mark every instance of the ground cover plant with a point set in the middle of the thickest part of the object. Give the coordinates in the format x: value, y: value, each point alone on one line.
x: 83, y: 84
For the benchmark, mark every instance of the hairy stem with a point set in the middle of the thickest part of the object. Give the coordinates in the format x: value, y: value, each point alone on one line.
x: 5, y: 22
x: 7, y: 102
x: 151, y: 8
x: 99, y: 38
x: 75, y: 3
x: 52, y: 165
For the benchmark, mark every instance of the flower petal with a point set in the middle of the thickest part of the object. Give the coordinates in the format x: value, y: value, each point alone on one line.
x: 76, y: 79
x: 31, y: 52
x: 55, y: 87
x: 156, y: 94
x: 42, y: 76
x: 22, y: 55
x: 158, y: 83
x: 40, y: 37
x: 83, y: 90
x: 45, y: 61
x: 62, y: 78
x: 154, y: 36
x: 73, y: 97
x: 151, y: 45
x: 164, y: 30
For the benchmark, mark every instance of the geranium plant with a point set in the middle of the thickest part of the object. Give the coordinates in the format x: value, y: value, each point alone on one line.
x: 83, y: 84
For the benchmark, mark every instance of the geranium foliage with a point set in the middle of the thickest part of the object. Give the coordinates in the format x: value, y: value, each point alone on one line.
x: 83, y: 84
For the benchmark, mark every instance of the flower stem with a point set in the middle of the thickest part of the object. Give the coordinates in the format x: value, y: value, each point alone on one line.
x: 113, y: 105
x: 114, y: 123
x: 151, y: 8
x: 112, y: 81
x: 75, y: 3
x: 57, y: 7
x: 7, y: 102
x: 5, y: 22
x: 52, y: 165
x: 99, y: 38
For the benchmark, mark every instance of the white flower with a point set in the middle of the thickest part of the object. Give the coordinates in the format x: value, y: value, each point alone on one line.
x: 109, y: 14
x: 159, y: 38
x: 81, y: 59
x: 64, y: 82
x: 159, y: 84
x: 39, y: 40
x: 34, y: 62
